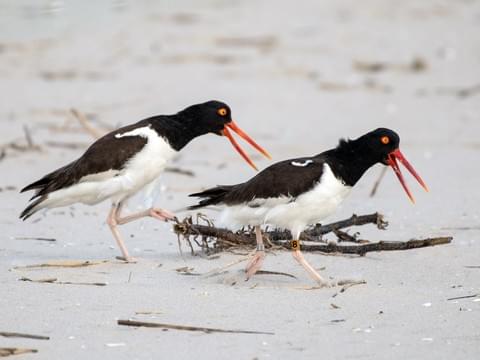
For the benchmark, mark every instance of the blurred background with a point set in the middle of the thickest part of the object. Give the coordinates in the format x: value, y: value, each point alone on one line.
x: 298, y: 76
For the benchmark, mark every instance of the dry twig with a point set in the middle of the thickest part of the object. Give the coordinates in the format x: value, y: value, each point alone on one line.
x: 22, y: 335
x: 378, y: 181
x: 8, y: 351
x: 188, y: 327
x: 28, y: 137
x: 19, y: 145
x: 417, y: 64
x: 463, y: 297
x: 82, y: 119
x: 55, y: 281
x: 267, y: 272
x: 374, y: 246
x: 62, y: 264
x: 180, y: 171
x: 148, y: 312
x: 35, y: 238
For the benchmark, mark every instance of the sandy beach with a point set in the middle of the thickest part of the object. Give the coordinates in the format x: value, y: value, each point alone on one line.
x: 298, y: 76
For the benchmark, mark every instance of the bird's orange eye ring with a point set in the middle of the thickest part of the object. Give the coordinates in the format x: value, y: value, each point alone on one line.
x: 222, y: 111
x: 385, y: 140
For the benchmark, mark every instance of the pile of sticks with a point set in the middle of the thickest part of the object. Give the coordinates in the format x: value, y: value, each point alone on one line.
x: 212, y: 239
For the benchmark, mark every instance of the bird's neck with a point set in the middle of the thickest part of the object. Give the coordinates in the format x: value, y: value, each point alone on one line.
x: 178, y: 129
x: 349, y: 161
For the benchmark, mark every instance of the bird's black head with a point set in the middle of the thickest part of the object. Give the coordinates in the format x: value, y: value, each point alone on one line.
x: 210, y: 116
x: 377, y: 146
x: 216, y: 117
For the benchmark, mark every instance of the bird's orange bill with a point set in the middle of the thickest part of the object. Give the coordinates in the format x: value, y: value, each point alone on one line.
x: 392, y: 161
x: 226, y: 132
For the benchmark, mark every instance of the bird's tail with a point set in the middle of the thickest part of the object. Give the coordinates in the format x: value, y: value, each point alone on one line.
x: 43, y: 187
x: 211, y: 196
x: 33, y: 208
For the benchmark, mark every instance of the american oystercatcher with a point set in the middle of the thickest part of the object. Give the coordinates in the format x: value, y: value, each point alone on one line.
x: 121, y: 163
x: 298, y: 192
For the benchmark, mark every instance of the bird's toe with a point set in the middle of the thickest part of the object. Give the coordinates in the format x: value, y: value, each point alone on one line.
x: 128, y: 259
x: 162, y: 214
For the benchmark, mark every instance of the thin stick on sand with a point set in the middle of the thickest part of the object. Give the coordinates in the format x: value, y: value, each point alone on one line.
x: 82, y: 119
x: 22, y: 335
x: 55, y: 281
x: 188, y: 327
x: 8, y: 351
x: 62, y: 264
x: 377, y: 183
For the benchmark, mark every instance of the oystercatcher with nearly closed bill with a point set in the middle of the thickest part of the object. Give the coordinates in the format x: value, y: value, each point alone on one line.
x: 121, y: 163
x: 298, y: 192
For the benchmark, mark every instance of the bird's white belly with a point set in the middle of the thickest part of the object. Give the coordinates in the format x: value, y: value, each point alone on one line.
x: 293, y: 214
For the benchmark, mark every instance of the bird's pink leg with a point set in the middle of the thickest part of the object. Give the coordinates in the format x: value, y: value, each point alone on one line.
x: 115, y: 219
x: 156, y: 213
x: 112, y: 223
x: 297, y: 255
x: 257, y: 261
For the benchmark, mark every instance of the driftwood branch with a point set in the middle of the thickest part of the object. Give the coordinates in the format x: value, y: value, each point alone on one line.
x: 374, y: 246
x: 188, y: 327
x: 187, y: 228
x: 224, y: 238
x: 21, y: 335
x: 8, y: 351
x: 55, y: 281
x: 62, y: 264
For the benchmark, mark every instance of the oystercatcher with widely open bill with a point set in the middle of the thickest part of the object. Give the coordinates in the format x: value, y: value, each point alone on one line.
x: 126, y: 160
x: 298, y: 192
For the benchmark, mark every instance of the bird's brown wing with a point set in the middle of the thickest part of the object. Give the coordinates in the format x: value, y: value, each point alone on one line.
x: 286, y: 178
x: 107, y: 153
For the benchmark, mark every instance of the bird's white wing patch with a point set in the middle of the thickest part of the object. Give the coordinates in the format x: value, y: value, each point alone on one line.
x: 142, y: 131
x: 301, y: 164
x: 269, y: 202
x: 104, y: 175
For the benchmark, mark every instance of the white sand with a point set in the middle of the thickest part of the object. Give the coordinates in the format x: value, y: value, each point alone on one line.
x: 287, y: 71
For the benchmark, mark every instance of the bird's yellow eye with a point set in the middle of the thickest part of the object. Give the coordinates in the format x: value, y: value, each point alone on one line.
x: 222, y: 112
x: 385, y: 140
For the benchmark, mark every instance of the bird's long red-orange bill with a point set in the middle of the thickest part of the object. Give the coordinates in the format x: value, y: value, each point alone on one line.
x: 234, y: 127
x: 392, y: 161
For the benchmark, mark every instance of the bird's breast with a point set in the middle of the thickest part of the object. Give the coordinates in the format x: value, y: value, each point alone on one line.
x: 326, y: 194
x: 148, y: 163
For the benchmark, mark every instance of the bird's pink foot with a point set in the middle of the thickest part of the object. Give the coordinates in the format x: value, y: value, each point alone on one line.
x: 127, y: 259
x: 161, y: 214
x: 297, y: 255
x: 255, y: 264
